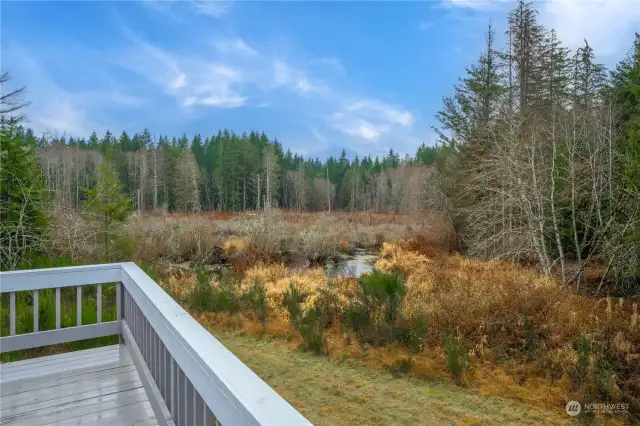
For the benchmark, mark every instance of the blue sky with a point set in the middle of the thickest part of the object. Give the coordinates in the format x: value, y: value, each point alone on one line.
x: 319, y: 76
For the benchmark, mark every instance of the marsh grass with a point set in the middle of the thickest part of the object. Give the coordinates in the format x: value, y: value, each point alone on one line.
x: 242, y: 239
x: 338, y: 393
x: 256, y: 297
x: 497, y: 327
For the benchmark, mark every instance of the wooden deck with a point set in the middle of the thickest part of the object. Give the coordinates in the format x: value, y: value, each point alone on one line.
x: 168, y: 370
x: 92, y: 387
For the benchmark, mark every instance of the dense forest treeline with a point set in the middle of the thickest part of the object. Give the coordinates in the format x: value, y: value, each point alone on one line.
x: 231, y: 172
x: 546, y: 164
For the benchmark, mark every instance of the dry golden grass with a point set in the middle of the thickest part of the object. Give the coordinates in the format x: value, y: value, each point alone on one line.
x: 491, y: 381
x: 241, y: 238
x: 335, y: 393
x: 236, y: 245
x: 278, y: 279
x: 522, y: 328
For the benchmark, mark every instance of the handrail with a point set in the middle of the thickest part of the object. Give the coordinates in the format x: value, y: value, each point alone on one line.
x: 220, y: 377
x: 180, y: 356
x: 68, y: 276
x: 34, y: 280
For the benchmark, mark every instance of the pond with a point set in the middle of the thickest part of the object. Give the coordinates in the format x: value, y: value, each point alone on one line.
x: 361, y: 261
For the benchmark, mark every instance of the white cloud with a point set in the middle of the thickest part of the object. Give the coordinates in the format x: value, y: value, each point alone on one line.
x: 215, y: 8
x: 178, y: 82
x: 235, y: 45
x: 288, y: 76
x: 363, y: 130
x: 608, y: 25
x: 318, y: 135
x: 226, y: 75
x: 191, y: 80
x: 61, y: 116
x: 55, y: 110
x: 356, y: 126
x: 333, y: 64
x: 157, y: 5
x: 121, y: 98
x: 382, y: 111
x: 151, y: 62
x: 370, y: 119
x: 476, y: 4
x: 221, y: 101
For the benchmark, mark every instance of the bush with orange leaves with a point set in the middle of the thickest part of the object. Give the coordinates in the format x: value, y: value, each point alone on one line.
x: 506, y: 310
x: 475, y: 297
x: 312, y: 282
x: 532, y: 328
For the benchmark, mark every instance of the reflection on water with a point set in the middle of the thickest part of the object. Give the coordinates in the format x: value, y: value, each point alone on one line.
x: 355, y: 265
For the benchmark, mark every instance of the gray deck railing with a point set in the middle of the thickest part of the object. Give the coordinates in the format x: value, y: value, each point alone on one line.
x: 190, y: 377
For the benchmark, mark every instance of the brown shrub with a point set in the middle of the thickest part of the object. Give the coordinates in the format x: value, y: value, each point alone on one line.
x: 523, y: 330
x: 73, y: 236
x: 217, y: 238
x: 504, y: 308
x: 188, y: 238
x: 319, y: 242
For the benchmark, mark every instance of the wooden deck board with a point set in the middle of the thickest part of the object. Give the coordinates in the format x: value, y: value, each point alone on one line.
x: 63, y: 365
x: 97, y: 386
x: 17, y: 387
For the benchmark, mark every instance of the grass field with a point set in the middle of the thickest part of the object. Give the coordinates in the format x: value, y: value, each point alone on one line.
x: 330, y: 394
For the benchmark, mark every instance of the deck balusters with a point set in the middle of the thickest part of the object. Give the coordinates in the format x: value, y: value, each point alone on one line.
x: 57, y: 308
x: 36, y: 312
x: 209, y: 418
x: 99, y: 301
x: 12, y: 313
x: 199, y: 409
x: 79, y: 305
x: 190, y: 403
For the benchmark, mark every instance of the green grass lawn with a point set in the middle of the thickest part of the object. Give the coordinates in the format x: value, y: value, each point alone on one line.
x: 330, y: 394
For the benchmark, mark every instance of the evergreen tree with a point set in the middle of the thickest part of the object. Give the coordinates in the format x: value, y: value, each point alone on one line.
x: 476, y: 99
x: 125, y: 142
x: 589, y: 78
x: 94, y: 142
x: 186, y: 182
x: 107, y: 202
x: 145, y: 141
x: 552, y: 76
x: 11, y: 103
x: 526, y: 40
x: 23, y: 221
x: 632, y: 147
